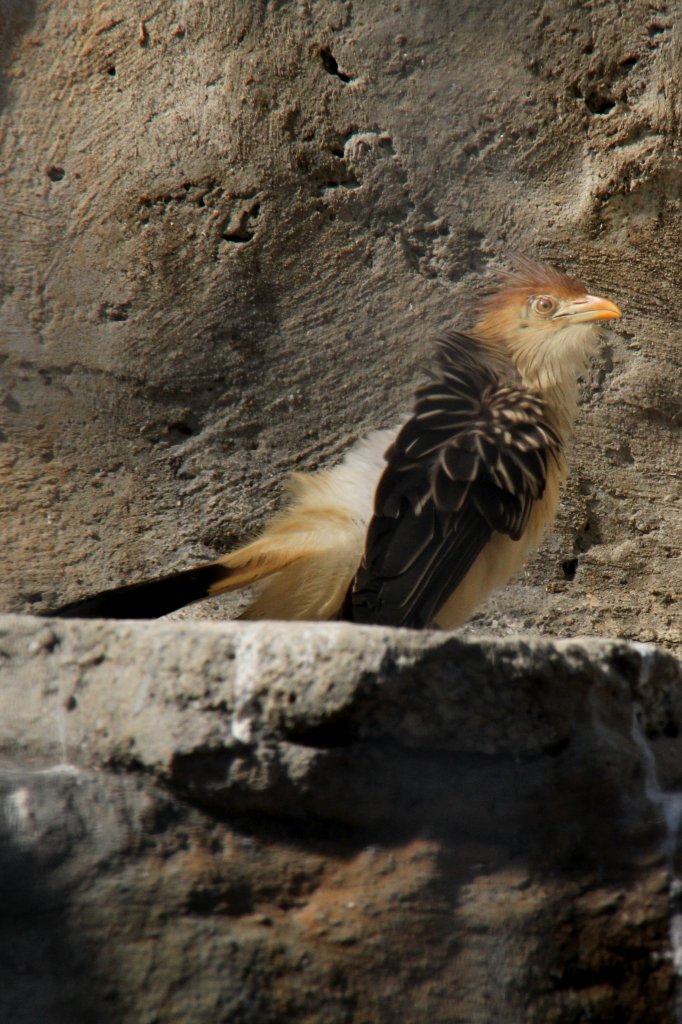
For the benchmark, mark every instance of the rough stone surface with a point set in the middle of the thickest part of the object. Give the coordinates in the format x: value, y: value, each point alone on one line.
x: 229, y: 229
x: 268, y: 823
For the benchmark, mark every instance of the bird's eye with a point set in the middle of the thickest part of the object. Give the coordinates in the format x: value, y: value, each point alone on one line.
x: 543, y: 305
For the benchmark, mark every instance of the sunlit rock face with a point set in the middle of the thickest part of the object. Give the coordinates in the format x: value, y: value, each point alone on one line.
x: 230, y: 228
x: 271, y: 822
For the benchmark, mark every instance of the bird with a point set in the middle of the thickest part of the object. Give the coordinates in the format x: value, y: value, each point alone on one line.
x: 417, y: 525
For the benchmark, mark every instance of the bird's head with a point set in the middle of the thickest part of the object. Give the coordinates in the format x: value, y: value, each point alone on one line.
x: 546, y: 321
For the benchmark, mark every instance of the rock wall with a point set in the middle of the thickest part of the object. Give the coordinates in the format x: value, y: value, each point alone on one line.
x: 230, y: 228
x: 268, y: 823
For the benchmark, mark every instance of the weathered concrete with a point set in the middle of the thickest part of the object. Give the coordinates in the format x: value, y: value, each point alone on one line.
x: 230, y: 228
x: 269, y: 822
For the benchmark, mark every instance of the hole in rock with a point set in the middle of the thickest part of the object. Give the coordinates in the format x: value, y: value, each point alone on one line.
x: 599, y: 104
x: 244, y: 229
x: 330, y: 65
x: 627, y: 64
x: 569, y: 568
x: 178, y: 431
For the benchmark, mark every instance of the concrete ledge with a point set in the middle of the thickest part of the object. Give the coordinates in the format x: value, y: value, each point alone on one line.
x: 94, y: 691
x: 261, y: 703
x: 298, y: 821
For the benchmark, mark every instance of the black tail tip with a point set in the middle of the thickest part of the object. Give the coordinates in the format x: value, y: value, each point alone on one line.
x: 149, y: 599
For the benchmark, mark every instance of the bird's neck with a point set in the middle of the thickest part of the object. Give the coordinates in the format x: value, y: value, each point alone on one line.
x: 561, y: 400
x: 552, y: 369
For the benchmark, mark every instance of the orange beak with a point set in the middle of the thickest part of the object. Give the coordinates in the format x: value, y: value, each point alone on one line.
x: 591, y: 307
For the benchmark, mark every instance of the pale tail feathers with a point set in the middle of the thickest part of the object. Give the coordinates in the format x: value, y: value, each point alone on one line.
x: 305, y: 561
x: 310, y: 553
x: 307, y: 557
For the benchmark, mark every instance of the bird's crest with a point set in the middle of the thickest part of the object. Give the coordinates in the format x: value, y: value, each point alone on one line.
x: 528, y: 277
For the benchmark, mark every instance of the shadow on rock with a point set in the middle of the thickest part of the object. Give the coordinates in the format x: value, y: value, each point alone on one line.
x: 16, y: 18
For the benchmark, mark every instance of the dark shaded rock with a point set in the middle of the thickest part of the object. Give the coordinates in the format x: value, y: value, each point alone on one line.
x: 324, y: 823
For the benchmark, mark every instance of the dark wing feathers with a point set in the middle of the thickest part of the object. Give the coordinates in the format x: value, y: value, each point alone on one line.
x: 469, y: 462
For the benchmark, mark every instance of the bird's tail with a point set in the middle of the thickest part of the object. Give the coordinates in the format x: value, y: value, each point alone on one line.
x: 152, y: 598
x: 149, y: 599
x: 307, y: 556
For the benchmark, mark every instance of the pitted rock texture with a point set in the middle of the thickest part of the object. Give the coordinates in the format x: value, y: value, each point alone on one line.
x: 230, y: 228
x: 269, y: 823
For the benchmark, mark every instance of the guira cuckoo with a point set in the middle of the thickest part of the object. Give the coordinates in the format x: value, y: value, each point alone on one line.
x: 416, y: 526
